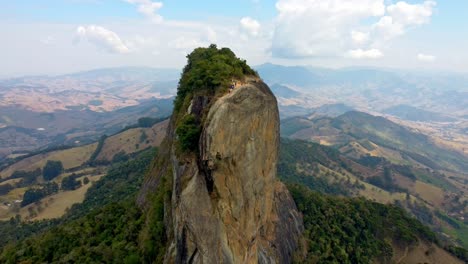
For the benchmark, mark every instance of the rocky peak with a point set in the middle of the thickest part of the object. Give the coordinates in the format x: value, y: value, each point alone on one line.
x: 227, y: 205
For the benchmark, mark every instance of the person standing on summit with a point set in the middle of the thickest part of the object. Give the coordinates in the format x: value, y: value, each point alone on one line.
x: 233, y: 84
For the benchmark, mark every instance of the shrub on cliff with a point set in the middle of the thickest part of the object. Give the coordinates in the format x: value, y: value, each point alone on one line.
x: 188, y: 133
x: 208, y: 69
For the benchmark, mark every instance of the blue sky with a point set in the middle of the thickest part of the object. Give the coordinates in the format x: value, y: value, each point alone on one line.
x: 97, y: 10
x: 53, y: 37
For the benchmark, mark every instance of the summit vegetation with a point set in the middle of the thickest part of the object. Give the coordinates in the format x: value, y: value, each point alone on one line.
x: 209, y: 70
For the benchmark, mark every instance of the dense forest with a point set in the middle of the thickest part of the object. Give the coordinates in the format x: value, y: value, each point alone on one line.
x: 103, y: 229
x: 294, y: 151
x: 349, y: 228
x: 354, y: 230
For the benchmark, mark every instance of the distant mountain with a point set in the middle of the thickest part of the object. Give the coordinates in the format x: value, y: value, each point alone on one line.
x: 284, y: 91
x: 411, y: 113
x: 372, y: 88
x: 126, y: 74
x: 376, y: 131
x: 333, y: 110
x: 40, y: 111
x: 319, y: 77
x: 369, y: 77
x: 112, y: 76
x: 26, y: 130
x: 99, y: 90
x: 294, y: 75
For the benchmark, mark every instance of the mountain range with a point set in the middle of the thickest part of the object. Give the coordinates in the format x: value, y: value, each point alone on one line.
x: 355, y: 142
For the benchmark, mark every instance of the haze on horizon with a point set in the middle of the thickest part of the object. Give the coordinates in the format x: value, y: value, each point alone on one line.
x: 54, y: 37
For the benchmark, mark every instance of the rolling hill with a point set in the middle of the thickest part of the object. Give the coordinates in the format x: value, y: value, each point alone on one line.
x: 375, y: 134
x: 411, y: 113
x: 25, y: 130
x: 87, y: 161
x: 326, y: 170
x: 44, y: 111
x: 375, y: 158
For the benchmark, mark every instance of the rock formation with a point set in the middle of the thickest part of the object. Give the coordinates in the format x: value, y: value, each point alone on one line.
x: 227, y: 205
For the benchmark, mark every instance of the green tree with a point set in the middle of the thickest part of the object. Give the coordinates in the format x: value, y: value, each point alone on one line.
x: 27, y: 177
x: 5, y: 188
x: 52, y: 169
x: 85, y: 180
x: 120, y: 157
x: 35, y: 194
x: 70, y: 183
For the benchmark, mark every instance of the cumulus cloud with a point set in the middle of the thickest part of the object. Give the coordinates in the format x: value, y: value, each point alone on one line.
x: 359, y: 37
x: 365, y: 54
x: 149, y: 9
x: 401, y: 16
x: 426, y: 57
x: 331, y: 28
x: 103, y: 38
x: 306, y: 28
x: 196, y: 35
x: 411, y: 14
x: 250, y: 26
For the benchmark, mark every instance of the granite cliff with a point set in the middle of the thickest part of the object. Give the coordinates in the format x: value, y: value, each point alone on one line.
x: 225, y: 205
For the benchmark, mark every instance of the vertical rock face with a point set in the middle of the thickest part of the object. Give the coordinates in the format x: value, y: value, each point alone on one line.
x: 227, y: 205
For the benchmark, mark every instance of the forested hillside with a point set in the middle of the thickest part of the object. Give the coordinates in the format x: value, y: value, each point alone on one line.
x: 359, y: 233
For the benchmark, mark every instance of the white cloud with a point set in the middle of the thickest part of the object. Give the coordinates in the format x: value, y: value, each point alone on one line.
x: 149, y: 9
x: 426, y: 57
x: 308, y: 28
x: 386, y: 29
x: 102, y: 38
x: 330, y: 28
x: 250, y: 26
x: 359, y: 37
x: 365, y: 54
x: 401, y: 16
x: 210, y: 35
x: 409, y: 14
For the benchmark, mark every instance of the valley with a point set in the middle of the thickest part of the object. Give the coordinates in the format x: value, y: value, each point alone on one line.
x: 234, y: 132
x: 337, y: 143
x: 46, y: 111
x: 89, y: 161
x: 372, y: 157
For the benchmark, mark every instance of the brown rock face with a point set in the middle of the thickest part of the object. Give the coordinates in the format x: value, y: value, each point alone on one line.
x: 227, y: 205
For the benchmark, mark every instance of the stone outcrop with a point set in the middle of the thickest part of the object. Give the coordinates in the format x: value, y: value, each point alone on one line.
x: 227, y: 205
